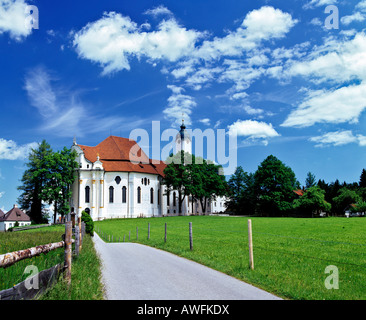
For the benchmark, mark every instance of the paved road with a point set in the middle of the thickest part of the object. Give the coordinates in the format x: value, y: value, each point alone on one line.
x: 137, y: 272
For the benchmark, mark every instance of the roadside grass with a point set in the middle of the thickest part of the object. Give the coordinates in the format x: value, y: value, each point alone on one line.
x: 86, y: 269
x: 86, y: 281
x: 290, y: 254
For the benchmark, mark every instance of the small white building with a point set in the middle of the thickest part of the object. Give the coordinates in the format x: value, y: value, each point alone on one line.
x: 116, y: 179
x: 9, y: 219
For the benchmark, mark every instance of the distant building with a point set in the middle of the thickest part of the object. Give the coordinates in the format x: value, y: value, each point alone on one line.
x: 9, y: 219
x: 116, y: 179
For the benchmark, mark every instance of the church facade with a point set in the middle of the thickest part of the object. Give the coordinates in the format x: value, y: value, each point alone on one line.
x: 110, y: 184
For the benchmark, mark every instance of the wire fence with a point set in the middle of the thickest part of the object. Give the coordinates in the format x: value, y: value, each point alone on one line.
x: 331, y: 251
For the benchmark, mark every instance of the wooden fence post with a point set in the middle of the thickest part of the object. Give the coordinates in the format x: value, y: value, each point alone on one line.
x: 165, y: 236
x: 250, y: 241
x: 77, y: 241
x: 148, y: 232
x: 68, y: 249
x: 80, y: 234
x: 190, y: 236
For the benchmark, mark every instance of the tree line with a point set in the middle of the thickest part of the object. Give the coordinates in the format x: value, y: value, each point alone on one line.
x: 273, y: 190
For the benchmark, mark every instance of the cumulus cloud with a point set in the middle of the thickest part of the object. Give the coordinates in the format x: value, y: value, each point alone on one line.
x: 333, y: 106
x: 13, y: 19
x: 112, y: 40
x: 337, y: 61
x: 338, y: 138
x: 253, y: 130
x: 10, y: 150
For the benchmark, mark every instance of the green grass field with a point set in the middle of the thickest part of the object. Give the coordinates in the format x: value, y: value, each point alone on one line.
x: 86, y: 274
x: 290, y: 254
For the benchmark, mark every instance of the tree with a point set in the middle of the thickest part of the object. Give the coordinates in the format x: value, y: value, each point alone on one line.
x: 60, y: 176
x: 310, y: 180
x: 241, y: 192
x: 312, y: 202
x: 344, y: 199
x: 48, y: 180
x: 274, y: 184
x: 177, y: 175
x: 206, y: 181
x: 362, y: 182
x: 33, y: 182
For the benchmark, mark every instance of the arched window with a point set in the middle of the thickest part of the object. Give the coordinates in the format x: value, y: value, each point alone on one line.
x: 138, y: 195
x: 174, y: 200
x: 111, y: 194
x: 124, y: 194
x: 87, y: 194
x: 118, y: 179
x: 158, y: 197
x: 168, y: 198
x: 151, y: 195
x: 145, y: 181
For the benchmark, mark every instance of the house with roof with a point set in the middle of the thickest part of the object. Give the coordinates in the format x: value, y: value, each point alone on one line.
x: 9, y: 219
x: 116, y: 179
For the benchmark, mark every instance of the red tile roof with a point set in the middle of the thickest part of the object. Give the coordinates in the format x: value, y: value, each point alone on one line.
x: 299, y: 192
x: 122, y: 154
x: 15, y: 214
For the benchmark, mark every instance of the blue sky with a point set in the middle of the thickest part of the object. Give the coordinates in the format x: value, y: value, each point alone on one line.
x: 275, y: 72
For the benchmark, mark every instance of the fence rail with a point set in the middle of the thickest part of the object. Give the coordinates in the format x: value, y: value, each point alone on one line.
x: 45, y: 278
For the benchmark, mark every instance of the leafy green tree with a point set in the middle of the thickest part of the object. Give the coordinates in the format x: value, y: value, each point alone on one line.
x: 60, y: 176
x: 177, y: 176
x: 34, y: 181
x: 241, y: 192
x: 206, y: 181
x: 310, y: 180
x: 312, y: 202
x: 274, y: 184
x: 344, y: 199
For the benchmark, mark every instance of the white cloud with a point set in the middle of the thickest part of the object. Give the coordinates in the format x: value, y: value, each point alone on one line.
x: 62, y: 111
x: 357, y: 16
x: 318, y: 3
x: 265, y: 23
x: 252, y: 111
x: 160, y: 10
x: 179, y: 105
x: 336, y: 61
x: 13, y: 19
x: 338, y: 138
x: 205, y: 121
x: 361, y: 5
x: 9, y: 150
x: 253, y: 130
x: 113, y: 39
x: 333, y: 106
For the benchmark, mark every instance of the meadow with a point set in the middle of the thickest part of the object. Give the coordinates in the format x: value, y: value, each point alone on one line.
x: 290, y: 254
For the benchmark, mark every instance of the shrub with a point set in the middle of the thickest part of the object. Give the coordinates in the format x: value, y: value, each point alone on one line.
x: 89, y: 223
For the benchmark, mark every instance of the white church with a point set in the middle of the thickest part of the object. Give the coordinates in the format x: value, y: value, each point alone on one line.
x: 109, y: 184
